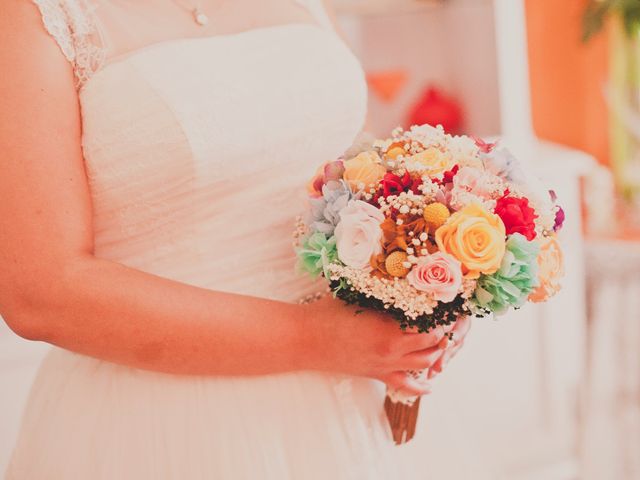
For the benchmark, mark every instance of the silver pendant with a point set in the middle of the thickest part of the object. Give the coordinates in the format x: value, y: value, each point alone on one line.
x: 200, y: 17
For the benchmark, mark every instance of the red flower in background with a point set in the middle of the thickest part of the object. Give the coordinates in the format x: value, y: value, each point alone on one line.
x: 517, y: 216
x: 437, y: 108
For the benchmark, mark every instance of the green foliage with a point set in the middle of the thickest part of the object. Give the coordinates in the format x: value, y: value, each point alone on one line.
x: 597, y: 12
x: 513, y: 282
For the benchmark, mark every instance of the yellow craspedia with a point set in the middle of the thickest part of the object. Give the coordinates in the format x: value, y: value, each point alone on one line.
x: 394, y: 264
x: 435, y: 214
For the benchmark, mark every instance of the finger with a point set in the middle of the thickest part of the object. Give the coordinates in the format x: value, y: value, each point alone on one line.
x: 441, y: 362
x: 421, y: 341
x: 444, y: 343
x: 405, y: 383
x: 451, y: 326
x: 437, y: 367
x: 454, y: 351
x: 420, y: 359
x: 411, y: 392
x: 461, y: 328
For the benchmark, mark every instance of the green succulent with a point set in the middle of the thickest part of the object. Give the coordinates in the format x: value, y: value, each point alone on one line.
x: 316, y: 253
x: 514, y: 281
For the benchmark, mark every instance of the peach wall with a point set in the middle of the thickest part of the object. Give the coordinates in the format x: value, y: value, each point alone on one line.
x: 567, y: 77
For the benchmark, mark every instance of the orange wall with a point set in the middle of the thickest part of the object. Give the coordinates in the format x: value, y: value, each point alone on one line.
x: 567, y: 77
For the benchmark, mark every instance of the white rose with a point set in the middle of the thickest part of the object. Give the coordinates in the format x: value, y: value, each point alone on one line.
x: 358, y: 234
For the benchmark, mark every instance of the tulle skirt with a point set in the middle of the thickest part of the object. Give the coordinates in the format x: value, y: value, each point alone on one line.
x: 93, y: 420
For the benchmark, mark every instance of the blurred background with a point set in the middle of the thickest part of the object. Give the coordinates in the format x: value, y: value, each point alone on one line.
x: 551, y: 391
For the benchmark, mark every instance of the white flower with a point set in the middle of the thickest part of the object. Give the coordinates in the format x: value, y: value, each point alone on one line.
x: 428, y: 189
x: 502, y: 163
x: 457, y: 199
x: 358, y: 234
x: 427, y: 135
x: 481, y: 183
x: 464, y: 151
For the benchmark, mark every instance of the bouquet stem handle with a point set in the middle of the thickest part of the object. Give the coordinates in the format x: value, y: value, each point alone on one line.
x: 402, y: 418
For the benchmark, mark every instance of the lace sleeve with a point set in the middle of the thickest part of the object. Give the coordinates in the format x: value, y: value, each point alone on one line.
x: 73, y: 25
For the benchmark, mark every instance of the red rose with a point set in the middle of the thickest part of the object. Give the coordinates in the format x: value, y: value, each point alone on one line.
x: 393, y: 184
x: 517, y: 216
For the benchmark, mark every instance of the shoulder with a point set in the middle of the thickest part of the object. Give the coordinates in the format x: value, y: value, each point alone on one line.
x: 27, y: 49
x: 56, y: 20
x: 70, y: 26
x: 33, y: 23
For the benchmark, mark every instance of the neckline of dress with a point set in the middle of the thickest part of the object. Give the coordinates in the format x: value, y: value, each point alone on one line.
x: 196, y: 39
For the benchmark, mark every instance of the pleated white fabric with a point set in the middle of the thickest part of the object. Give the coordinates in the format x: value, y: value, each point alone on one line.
x: 92, y: 419
x: 197, y: 154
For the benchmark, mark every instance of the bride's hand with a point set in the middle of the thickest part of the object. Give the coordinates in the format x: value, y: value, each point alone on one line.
x: 451, y: 347
x: 371, y: 344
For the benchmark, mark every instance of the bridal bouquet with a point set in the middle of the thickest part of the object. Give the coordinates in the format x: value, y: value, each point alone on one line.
x: 430, y: 228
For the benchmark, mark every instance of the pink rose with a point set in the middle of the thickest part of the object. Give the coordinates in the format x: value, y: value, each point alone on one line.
x: 475, y: 181
x: 438, y: 274
x: 358, y: 234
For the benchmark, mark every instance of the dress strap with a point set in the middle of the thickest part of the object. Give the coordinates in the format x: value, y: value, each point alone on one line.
x: 316, y: 8
x: 73, y: 25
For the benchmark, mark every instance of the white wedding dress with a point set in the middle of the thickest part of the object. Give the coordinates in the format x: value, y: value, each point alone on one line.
x: 197, y: 153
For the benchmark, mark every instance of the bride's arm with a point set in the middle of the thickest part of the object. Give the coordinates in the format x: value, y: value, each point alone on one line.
x: 51, y: 286
x: 53, y: 289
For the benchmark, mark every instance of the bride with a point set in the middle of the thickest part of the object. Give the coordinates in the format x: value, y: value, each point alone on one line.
x: 154, y: 156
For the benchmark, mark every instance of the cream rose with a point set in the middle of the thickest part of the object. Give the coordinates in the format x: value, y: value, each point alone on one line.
x: 431, y: 161
x: 438, y: 274
x: 364, y: 171
x: 476, y: 238
x: 358, y: 234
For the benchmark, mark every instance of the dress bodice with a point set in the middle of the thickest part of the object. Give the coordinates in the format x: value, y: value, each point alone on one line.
x: 197, y: 151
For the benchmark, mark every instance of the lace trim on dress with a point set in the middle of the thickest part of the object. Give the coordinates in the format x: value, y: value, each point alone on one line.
x: 74, y: 26
x: 72, y: 23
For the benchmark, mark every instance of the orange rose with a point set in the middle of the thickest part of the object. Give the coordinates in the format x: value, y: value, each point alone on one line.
x: 475, y: 237
x: 364, y: 171
x: 551, y: 269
